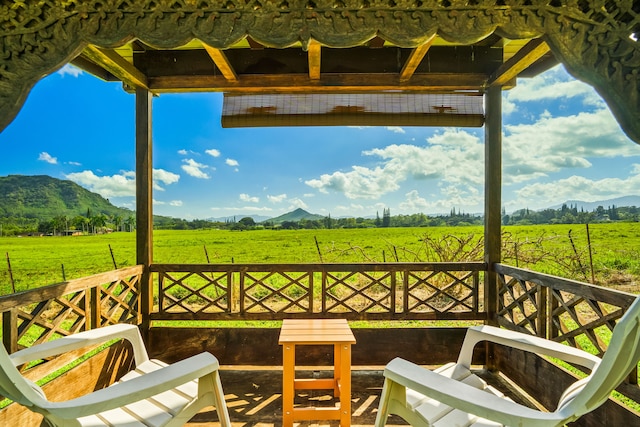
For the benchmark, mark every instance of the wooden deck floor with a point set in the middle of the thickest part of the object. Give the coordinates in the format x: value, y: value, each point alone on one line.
x: 254, y: 398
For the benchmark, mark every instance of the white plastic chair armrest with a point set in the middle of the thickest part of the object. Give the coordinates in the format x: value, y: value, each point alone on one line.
x: 135, y: 389
x: 525, y: 342
x: 84, y: 339
x: 465, y: 397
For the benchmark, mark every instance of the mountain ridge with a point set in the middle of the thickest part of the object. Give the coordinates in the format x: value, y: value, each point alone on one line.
x: 295, y: 216
x: 590, y: 206
x: 45, y: 197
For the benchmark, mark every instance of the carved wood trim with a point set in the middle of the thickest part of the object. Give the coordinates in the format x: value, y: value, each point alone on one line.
x: 597, y: 44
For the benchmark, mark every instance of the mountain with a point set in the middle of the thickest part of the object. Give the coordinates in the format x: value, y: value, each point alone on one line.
x: 44, y: 198
x: 294, y: 216
x: 590, y: 206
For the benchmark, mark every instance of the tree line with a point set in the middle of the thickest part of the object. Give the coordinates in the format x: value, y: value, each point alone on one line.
x: 91, y: 223
x: 100, y: 223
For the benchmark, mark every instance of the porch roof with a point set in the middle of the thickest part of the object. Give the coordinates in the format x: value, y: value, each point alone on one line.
x: 324, y: 46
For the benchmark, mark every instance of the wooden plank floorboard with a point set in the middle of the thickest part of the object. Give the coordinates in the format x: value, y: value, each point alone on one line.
x: 254, y: 398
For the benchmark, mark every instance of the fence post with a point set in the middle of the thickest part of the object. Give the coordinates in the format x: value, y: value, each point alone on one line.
x: 13, y: 284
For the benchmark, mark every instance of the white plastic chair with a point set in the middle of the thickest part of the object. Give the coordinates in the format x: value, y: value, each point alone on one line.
x: 154, y: 392
x: 453, y: 396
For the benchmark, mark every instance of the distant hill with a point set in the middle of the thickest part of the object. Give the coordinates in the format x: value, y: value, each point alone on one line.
x: 294, y: 216
x: 236, y: 218
x: 44, y: 198
x: 590, y: 206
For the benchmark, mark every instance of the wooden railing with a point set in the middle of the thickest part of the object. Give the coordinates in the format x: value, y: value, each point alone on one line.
x: 562, y: 310
x: 559, y: 309
x: 579, y: 314
x: 39, y: 315
x: 351, y: 291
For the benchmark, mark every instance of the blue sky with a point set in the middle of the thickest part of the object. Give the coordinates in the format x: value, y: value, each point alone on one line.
x: 560, y: 143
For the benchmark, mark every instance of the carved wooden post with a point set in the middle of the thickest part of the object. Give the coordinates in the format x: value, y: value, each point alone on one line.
x: 144, y: 199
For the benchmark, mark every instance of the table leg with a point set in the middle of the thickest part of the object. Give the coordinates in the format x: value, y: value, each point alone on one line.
x: 345, y: 385
x: 337, y: 368
x: 288, y: 378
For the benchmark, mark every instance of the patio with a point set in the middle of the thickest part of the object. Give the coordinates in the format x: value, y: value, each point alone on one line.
x: 398, y: 54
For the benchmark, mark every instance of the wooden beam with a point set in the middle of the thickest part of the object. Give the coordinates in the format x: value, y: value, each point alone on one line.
x: 492, y: 197
x: 301, y: 83
x: 525, y: 57
x: 314, y: 59
x: 111, y: 61
x: 144, y: 200
x: 353, y: 119
x: 414, y: 60
x: 221, y: 61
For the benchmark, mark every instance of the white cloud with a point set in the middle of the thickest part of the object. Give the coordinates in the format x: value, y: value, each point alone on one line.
x: 195, y: 169
x: 183, y: 152
x: 74, y: 163
x: 576, y: 187
x: 453, y: 156
x: 414, y: 202
x: 244, y: 209
x: 396, y: 129
x: 122, y: 185
x: 277, y: 199
x: 232, y: 162
x: 176, y: 203
x: 69, y: 70
x: 251, y: 199
x: 350, y: 209
x: 158, y: 202
x: 555, y: 143
x: 551, y: 85
x: 213, y: 152
x: 46, y: 157
x: 165, y: 176
x: 508, y: 107
x: 296, y: 203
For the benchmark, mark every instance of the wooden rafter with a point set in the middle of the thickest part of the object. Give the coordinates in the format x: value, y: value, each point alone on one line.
x: 111, y: 61
x: 221, y: 61
x: 414, y: 60
x: 331, y: 82
x: 526, y: 56
x: 314, y: 59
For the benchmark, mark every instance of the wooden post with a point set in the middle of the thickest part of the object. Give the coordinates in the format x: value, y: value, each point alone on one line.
x: 492, y: 204
x: 144, y: 201
x: 10, y: 330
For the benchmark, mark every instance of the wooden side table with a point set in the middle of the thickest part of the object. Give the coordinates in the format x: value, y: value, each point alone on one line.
x: 334, y: 332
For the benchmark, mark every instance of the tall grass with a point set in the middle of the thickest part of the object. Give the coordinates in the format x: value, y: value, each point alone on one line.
x: 37, y: 261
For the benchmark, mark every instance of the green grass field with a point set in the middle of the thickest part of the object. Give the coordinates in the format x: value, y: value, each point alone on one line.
x: 615, y: 248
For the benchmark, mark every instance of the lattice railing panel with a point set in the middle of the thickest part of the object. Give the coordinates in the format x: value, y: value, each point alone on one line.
x: 69, y: 307
x: 276, y: 292
x: 582, y: 322
x: 518, y: 305
x: 563, y: 310
x: 375, y: 291
x: 52, y: 318
x: 194, y: 292
x: 441, y: 291
x: 358, y: 292
x: 120, y: 301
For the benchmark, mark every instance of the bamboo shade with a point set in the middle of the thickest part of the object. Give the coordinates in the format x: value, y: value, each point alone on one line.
x: 363, y: 109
